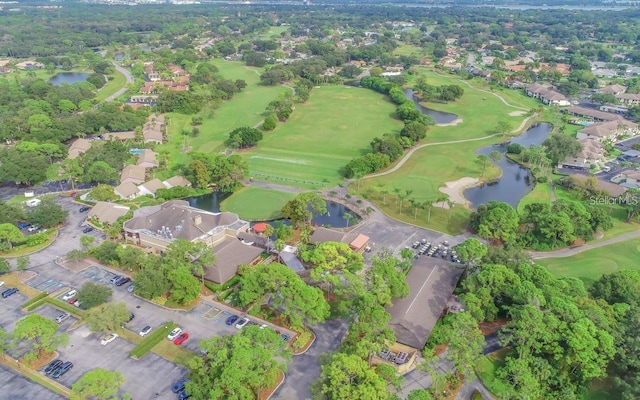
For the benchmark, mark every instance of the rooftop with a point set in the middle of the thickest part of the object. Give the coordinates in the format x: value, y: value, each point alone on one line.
x: 230, y: 254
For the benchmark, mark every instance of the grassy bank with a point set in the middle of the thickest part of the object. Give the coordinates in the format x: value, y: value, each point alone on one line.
x: 257, y: 204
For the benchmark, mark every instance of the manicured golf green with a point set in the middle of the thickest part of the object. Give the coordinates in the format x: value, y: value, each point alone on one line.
x: 257, y: 204
x: 335, y: 125
x: 245, y: 109
x: 590, y: 265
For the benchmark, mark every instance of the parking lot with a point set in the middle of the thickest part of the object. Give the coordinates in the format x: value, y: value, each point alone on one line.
x: 16, y: 386
x: 148, y: 378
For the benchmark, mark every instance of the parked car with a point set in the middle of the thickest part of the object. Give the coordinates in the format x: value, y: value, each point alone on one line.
x: 183, y: 395
x: 72, y: 301
x: 87, y: 229
x: 9, y: 292
x: 1, y: 283
x: 179, y: 385
x: 23, y: 225
x: 52, y: 366
x: 108, y: 339
x: 33, y: 228
x: 61, y: 370
x: 70, y: 295
x: 231, y: 320
x: 285, y: 337
x: 77, y: 304
x: 122, y: 281
x: 145, y: 331
x: 181, y: 339
x: 242, y: 323
x: 174, y: 334
x: 62, y: 317
x: 263, y: 326
x: 130, y: 289
x: 84, y: 209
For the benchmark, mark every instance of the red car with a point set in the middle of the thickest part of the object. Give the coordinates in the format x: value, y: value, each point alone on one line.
x: 181, y: 339
x: 72, y: 301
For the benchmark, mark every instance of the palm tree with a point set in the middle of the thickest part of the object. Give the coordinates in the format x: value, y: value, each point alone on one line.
x: 268, y: 232
x: 396, y: 191
x: 451, y: 204
x: 428, y: 204
x: 441, y: 200
x: 401, y: 198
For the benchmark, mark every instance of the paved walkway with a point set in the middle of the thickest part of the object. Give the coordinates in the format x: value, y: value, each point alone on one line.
x: 570, y: 251
x: 129, y: 78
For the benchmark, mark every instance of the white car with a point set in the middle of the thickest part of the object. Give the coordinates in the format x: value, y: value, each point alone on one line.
x: 108, y: 339
x: 174, y: 333
x: 70, y: 295
x: 145, y: 331
x: 263, y: 326
x: 1, y: 283
x: 242, y: 323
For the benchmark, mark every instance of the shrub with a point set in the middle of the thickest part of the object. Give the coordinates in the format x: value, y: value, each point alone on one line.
x: 161, y: 300
x: 302, y: 340
x: 35, y: 299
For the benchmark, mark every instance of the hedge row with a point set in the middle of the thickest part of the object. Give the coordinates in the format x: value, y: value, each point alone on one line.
x: 152, y: 340
x: 35, y: 299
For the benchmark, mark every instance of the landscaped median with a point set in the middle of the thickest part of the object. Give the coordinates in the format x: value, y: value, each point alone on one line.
x: 152, y: 340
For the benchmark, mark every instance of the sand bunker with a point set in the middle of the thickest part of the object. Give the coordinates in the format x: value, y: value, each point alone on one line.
x: 454, y: 190
x: 517, y: 113
x: 452, y: 123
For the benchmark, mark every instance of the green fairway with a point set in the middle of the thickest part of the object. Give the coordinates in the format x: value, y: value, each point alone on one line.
x: 112, y: 86
x: 430, y: 167
x: 245, y: 109
x: 592, y: 264
x: 322, y: 135
x: 541, y: 193
x: 257, y: 204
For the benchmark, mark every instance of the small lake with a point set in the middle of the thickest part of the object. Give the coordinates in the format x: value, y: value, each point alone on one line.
x: 440, y: 117
x: 516, y: 181
x: 68, y: 77
x: 334, y: 216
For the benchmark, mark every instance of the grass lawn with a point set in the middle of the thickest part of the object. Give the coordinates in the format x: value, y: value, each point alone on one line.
x: 173, y: 352
x: 408, y: 50
x: 257, y: 204
x: 486, y: 371
x: 592, y: 264
x: 274, y: 32
x: 245, y: 109
x: 335, y: 125
x: 572, y: 130
x: 541, y: 193
x: 112, y: 86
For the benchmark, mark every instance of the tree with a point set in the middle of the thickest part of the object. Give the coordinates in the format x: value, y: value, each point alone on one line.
x: 300, y: 210
x: 559, y: 146
x: 270, y: 122
x: 100, y: 172
x: 466, y: 342
x: 504, y: 127
x: 237, y: 366
x: 10, y: 234
x: 71, y: 171
x: 93, y: 294
x: 99, y: 384
x: 495, y: 220
x: 244, y: 137
x: 484, y: 160
x: 471, y: 251
x: 39, y: 333
x: 184, y: 286
x: 86, y: 241
x: 334, y: 264
x: 23, y: 263
x: 103, y: 193
x: 348, y: 376
x: 495, y: 156
x: 618, y: 287
x: 4, y: 266
x: 47, y: 214
x: 108, y: 318
x: 152, y: 282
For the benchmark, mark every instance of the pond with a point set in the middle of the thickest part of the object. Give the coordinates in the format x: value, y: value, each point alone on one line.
x: 68, y: 77
x: 335, y: 216
x: 439, y: 116
x: 516, y: 181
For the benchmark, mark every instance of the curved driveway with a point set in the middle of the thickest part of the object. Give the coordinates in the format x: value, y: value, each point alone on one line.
x: 129, y: 78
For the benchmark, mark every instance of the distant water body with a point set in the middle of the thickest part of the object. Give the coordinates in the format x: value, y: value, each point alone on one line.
x: 522, y: 7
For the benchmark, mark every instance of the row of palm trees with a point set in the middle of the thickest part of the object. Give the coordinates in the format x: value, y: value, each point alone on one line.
x: 405, y: 195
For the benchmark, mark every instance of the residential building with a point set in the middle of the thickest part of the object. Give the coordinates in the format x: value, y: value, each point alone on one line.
x: 107, y: 213
x: 151, y: 187
x: 592, y: 152
x: 148, y: 159
x: 176, y: 181
x: 79, y: 146
x: 608, y: 130
x: 127, y: 191
x: 546, y: 95
x: 614, y: 89
x: 631, y: 179
x: 629, y: 99
x: 121, y: 136
x: 153, y: 129
x: 593, y: 115
x: 133, y: 173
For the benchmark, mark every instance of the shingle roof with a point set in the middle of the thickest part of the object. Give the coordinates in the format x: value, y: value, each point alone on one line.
x: 430, y: 285
x: 177, y: 181
x: 107, y: 212
x: 290, y: 260
x: 230, y: 254
x: 134, y: 172
x: 153, y: 185
x: 126, y: 189
x: 588, y: 112
x: 321, y: 235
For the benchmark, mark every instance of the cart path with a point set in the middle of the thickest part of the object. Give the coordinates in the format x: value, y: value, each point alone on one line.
x: 568, y: 252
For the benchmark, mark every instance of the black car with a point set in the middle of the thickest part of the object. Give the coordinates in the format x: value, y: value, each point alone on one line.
x: 87, y: 229
x: 61, y: 370
x: 53, y: 365
x: 123, y: 280
x: 9, y: 292
x: 84, y: 209
x: 179, y: 385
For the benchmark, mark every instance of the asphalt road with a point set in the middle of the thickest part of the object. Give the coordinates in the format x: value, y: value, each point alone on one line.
x: 129, y: 78
x: 16, y: 386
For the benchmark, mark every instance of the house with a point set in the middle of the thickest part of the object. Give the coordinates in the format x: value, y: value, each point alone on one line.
x: 156, y: 227
x: 609, y: 187
x: 592, y: 152
x: 133, y: 173
x: 608, y: 130
x: 431, y: 284
x: 151, y: 187
x: 148, y: 159
x: 107, y: 213
x: 176, y: 181
x: 29, y: 65
x: 230, y: 254
x: 79, y: 146
x: 121, y: 136
x: 629, y: 99
x: 546, y: 95
x: 127, y: 191
x: 614, y: 89
x: 153, y: 129
x: 631, y: 179
x: 594, y: 115
x: 321, y: 235
x: 288, y: 257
